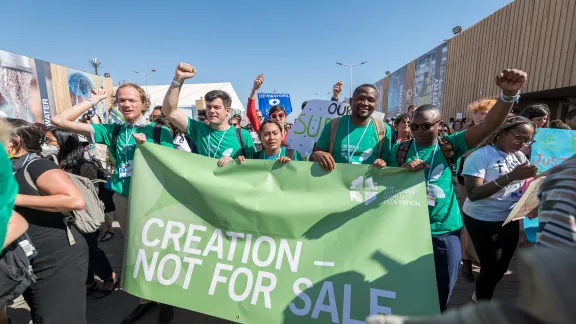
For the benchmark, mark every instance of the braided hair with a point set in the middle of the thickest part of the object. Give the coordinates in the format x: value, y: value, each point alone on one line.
x: 510, y: 123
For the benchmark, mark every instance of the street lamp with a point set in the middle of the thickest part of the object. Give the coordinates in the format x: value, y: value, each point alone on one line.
x: 351, y: 66
x: 457, y: 30
x: 146, y: 78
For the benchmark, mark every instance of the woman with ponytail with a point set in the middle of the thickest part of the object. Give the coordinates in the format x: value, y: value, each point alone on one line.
x: 494, y: 175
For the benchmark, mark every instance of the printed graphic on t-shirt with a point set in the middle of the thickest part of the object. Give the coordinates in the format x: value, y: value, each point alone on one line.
x: 345, y: 149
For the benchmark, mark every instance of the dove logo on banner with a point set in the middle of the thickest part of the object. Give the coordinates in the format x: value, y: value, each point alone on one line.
x: 267, y: 100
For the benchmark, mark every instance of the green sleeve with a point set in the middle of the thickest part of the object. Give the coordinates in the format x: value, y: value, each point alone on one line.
x: 324, y: 139
x: 387, y: 144
x: 166, y: 137
x: 192, y: 130
x: 103, y: 133
x: 458, y: 140
x: 249, y: 147
x: 392, y: 161
x: 297, y: 156
x: 7, y: 194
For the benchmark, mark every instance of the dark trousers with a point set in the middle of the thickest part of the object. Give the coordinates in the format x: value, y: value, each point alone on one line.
x: 59, y: 293
x: 447, y: 257
x: 98, y: 262
x: 495, y: 245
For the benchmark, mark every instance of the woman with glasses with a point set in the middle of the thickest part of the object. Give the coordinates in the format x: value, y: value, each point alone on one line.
x: 494, y: 175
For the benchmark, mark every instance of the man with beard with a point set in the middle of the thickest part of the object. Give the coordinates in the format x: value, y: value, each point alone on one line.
x: 217, y: 139
x: 440, y: 158
x: 357, y: 138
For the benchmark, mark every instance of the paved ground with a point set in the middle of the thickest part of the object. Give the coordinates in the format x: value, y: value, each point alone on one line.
x: 113, y: 308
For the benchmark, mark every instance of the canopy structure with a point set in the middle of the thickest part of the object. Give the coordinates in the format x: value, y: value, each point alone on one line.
x: 192, y: 92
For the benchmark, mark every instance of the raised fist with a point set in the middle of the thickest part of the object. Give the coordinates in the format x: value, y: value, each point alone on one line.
x: 258, y: 81
x: 185, y: 71
x: 511, y: 81
x: 337, y: 89
x: 97, y: 95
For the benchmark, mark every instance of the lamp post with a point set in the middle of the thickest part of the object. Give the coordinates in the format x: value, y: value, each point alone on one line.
x: 146, y: 78
x: 351, y: 67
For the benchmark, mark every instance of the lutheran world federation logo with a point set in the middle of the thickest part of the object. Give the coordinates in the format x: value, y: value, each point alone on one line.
x: 363, y: 190
x: 274, y: 101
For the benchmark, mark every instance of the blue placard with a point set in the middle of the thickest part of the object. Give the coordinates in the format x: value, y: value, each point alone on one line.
x: 267, y: 100
x: 552, y: 147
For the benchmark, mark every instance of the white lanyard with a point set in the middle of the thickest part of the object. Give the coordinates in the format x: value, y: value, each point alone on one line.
x: 431, y: 162
x: 128, y: 135
x: 210, y: 143
x: 359, y: 141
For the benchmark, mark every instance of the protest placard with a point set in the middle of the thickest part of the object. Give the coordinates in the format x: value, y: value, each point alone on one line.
x: 289, y: 244
x: 527, y: 204
x: 551, y: 148
x: 310, y: 123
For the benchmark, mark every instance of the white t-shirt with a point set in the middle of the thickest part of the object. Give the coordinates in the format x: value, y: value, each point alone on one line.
x: 490, y: 163
x: 181, y: 144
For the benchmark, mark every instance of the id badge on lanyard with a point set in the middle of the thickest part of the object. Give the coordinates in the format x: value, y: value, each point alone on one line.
x: 125, y: 168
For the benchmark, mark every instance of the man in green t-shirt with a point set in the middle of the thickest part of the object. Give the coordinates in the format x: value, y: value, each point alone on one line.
x: 217, y: 139
x: 121, y: 141
x: 424, y: 153
x: 356, y: 139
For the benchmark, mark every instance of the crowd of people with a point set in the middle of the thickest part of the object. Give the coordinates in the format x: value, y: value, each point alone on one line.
x: 495, y: 146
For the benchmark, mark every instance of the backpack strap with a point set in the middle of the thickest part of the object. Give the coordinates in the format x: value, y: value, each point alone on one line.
x: 240, y: 140
x: 290, y: 153
x: 402, y: 152
x: 114, y: 142
x: 449, y: 153
x: 333, y: 131
x: 157, y: 133
x: 380, y: 133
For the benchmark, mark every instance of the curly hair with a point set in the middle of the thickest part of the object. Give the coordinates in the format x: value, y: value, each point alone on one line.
x: 141, y: 92
x: 482, y: 105
x: 510, y: 123
x: 400, y: 118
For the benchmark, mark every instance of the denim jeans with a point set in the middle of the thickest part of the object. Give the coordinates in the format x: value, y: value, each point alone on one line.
x: 447, y: 257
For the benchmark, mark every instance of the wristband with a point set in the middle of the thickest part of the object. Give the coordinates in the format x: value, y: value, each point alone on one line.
x: 509, y: 99
x: 497, y: 185
x: 90, y: 113
x: 176, y: 83
x: 507, y: 179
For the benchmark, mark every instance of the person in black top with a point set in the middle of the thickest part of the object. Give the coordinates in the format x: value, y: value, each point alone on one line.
x: 58, y: 295
x: 70, y: 153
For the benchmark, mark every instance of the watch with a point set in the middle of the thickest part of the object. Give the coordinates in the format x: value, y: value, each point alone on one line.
x: 176, y: 83
x: 90, y: 113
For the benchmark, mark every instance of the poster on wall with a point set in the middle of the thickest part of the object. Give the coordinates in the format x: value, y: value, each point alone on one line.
x: 396, y: 92
x: 20, y: 93
x: 429, y: 77
x: 380, y: 88
x: 80, y: 85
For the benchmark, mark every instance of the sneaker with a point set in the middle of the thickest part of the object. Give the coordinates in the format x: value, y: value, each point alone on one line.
x: 474, y: 300
x: 467, y: 272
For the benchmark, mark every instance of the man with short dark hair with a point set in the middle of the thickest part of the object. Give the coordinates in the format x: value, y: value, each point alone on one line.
x: 357, y: 138
x: 410, y: 110
x: 217, y: 139
x: 571, y: 119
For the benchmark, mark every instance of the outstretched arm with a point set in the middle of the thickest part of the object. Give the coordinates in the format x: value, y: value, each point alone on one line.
x: 251, y: 109
x: 170, y: 106
x: 510, y: 82
x: 336, y: 90
x: 67, y: 118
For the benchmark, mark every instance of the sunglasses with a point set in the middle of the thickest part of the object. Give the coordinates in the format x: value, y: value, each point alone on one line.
x: 423, y: 127
x: 277, y: 116
x: 234, y: 124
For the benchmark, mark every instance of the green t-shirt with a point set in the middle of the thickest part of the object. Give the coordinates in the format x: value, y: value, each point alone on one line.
x: 125, y: 149
x: 260, y: 155
x: 8, y: 192
x: 223, y: 143
x: 445, y: 214
x: 345, y: 144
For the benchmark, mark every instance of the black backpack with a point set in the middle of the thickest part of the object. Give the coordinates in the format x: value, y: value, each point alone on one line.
x: 16, y: 273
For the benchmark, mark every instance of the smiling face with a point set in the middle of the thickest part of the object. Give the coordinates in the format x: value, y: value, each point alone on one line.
x: 278, y: 115
x: 130, y: 103
x: 271, y: 136
x: 478, y: 117
x: 216, y: 112
x: 364, y: 102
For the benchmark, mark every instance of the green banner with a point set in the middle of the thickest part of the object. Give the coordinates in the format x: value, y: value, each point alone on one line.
x: 262, y: 242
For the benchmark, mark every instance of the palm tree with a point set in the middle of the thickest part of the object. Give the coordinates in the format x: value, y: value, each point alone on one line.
x: 95, y: 64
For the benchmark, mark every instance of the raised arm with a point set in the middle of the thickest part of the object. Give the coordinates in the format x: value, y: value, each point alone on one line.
x: 336, y: 90
x: 251, y: 109
x: 67, y: 118
x: 170, y: 106
x: 510, y: 82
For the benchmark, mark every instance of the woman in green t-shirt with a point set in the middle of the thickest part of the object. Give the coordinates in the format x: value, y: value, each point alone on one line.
x: 271, y: 135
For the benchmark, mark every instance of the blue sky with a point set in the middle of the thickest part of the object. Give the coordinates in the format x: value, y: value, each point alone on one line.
x: 295, y: 44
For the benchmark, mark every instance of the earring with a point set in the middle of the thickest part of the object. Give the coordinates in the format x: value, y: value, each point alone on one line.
x: 498, y: 137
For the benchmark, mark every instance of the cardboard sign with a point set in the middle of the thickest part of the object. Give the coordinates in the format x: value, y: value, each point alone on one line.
x: 527, y: 204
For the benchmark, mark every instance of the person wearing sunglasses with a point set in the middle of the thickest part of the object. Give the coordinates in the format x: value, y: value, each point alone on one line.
x: 494, y: 175
x: 235, y: 122
x: 439, y: 158
x: 216, y: 140
x: 358, y: 138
